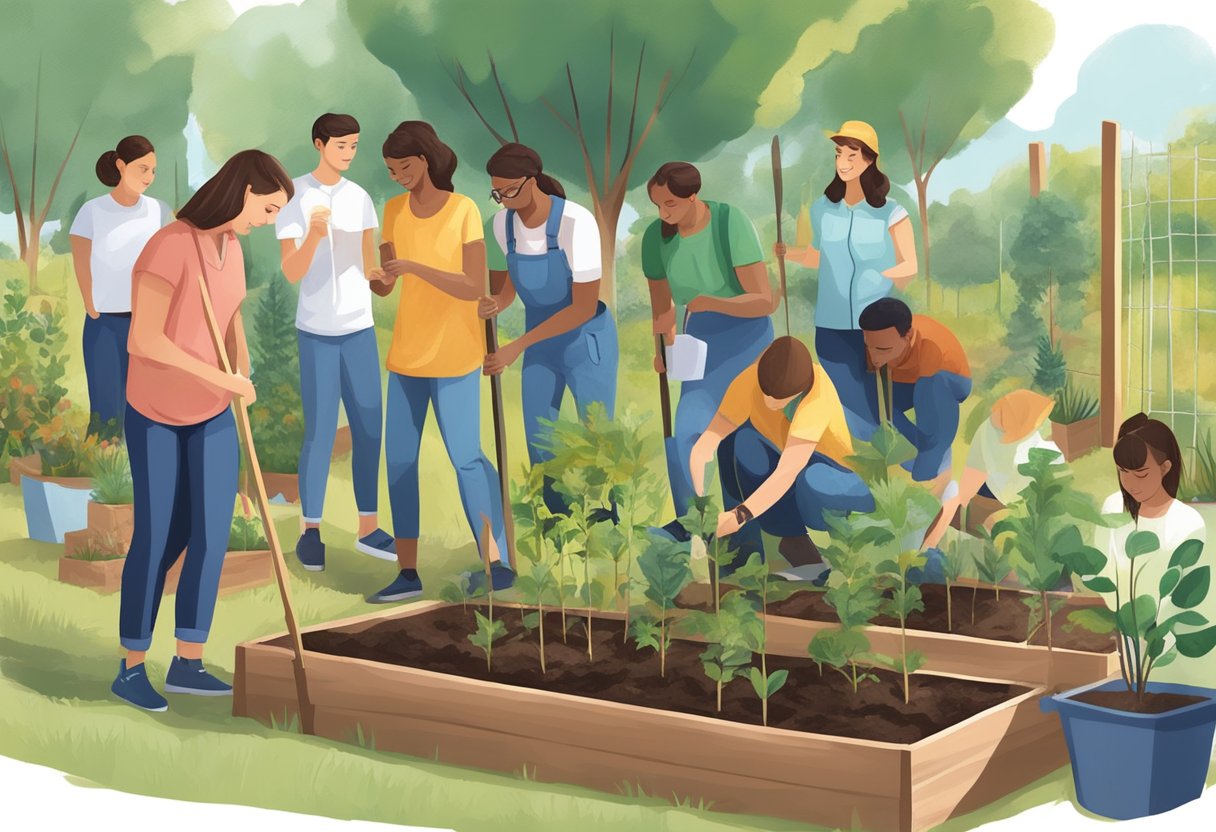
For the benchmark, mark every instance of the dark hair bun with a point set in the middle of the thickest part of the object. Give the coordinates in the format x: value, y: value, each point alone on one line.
x: 107, y: 169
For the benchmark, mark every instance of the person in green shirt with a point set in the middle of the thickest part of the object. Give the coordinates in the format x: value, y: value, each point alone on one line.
x: 705, y: 258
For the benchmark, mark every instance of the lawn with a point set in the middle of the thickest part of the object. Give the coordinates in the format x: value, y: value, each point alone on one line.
x: 59, y: 653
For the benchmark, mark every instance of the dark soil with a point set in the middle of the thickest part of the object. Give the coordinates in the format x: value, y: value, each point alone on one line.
x: 1003, y: 620
x: 1122, y: 700
x: 822, y: 704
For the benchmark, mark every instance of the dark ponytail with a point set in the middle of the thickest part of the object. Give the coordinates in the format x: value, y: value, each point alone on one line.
x: 1139, y: 436
x: 681, y: 178
x: 513, y: 160
x: 128, y: 150
x: 874, y: 183
x: 417, y: 138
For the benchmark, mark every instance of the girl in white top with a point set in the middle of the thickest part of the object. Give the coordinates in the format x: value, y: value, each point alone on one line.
x: 107, y: 236
x: 1150, y: 468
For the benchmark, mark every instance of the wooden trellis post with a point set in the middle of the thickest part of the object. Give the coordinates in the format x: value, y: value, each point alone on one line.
x: 1038, y: 168
x: 1111, y: 413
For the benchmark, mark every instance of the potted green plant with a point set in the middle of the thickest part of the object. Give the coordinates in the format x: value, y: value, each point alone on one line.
x: 94, y: 560
x: 1074, y: 421
x: 1140, y: 747
x: 112, y: 501
x: 56, y: 500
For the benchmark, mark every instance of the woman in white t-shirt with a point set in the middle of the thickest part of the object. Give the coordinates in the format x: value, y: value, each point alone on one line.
x: 1149, y: 462
x: 546, y: 250
x: 107, y: 236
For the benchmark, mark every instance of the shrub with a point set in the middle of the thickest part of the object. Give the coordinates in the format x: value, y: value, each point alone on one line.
x: 32, y: 347
x: 1050, y: 372
x: 66, y: 447
x: 247, y: 533
x: 1199, y: 480
x: 112, y: 483
x: 277, y: 415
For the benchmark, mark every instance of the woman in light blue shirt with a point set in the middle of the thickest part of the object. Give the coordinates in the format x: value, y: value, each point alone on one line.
x: 863, y: 245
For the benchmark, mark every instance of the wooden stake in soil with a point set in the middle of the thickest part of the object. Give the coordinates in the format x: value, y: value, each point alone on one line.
x: 500, y: 442
x: 777, y: 194
x: 241, y: 411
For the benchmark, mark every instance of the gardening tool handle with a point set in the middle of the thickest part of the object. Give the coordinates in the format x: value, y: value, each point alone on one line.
x: 241, y: 411
x: 664, y: 392
x: 778, y: 193
x: 500, y: 440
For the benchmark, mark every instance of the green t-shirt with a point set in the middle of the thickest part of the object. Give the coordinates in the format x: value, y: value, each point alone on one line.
x: 691, y: 264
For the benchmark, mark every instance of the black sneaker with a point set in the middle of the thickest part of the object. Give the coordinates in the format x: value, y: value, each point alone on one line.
x: 311, y: 551
x: 189, y: 676
x: 501, y: 577
x: 406, y: 585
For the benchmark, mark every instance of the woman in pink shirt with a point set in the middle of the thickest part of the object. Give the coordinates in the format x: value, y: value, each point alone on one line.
x: 181, y: 435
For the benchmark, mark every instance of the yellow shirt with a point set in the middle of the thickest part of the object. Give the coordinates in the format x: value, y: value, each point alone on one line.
x: 436, y: 335
x: 819, y: 417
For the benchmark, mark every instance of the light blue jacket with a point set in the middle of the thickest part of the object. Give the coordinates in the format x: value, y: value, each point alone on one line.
x: 855, y: 247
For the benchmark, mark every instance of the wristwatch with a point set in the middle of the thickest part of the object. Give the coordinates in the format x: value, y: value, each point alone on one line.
x: 743, y: 513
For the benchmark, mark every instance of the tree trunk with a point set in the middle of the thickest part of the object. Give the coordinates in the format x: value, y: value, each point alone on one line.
x: 31, y: 255
x: 922, y: 202
x: 606, y: 218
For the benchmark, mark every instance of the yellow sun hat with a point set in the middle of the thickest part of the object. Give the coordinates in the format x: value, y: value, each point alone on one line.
x: 1020, y: 413
x: 859, y: 130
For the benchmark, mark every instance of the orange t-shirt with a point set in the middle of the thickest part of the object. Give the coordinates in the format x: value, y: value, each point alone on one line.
x: 934, y: 349
x: 167, y: 394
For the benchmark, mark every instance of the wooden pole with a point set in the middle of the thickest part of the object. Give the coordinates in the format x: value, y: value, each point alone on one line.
x: 500, y: 445
x: 778, y: 194
x: 1111, y: 413
x: 241, y: 410
x: 1038, y: 168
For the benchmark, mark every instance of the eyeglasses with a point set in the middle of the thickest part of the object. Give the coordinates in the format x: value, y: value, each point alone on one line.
x: 498, y: 196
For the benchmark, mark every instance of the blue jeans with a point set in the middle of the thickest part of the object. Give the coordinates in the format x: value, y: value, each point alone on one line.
x: 824, y: 485
x: 935, y: 399
x: 105, y: 369
x: 345, y: 368
x: 457, y: 403
x: 584, y: 360
x: 842, y: 354
x: 185, y: 488
x: 733, y: 345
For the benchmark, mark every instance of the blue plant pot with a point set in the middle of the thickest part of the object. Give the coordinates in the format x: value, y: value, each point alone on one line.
x: 52, y: 509
x: 1128, y: 765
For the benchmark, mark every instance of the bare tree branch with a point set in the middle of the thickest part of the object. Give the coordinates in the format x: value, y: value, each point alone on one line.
x: 924, y: 125
x: 654, y: 114
x: 12, y: 179
x: 503, y: 95
x: 582, y: 136
x: 679, y: 80
x: 633, y: 112
x: 557, y: 115
x: 458, y: 80
x: 59, y: 173
x: 940, y: 157
x: 608, y: 115
x: 34, y: 160
x: 908, y: 144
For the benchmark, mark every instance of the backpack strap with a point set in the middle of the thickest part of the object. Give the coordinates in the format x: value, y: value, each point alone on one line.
x: 510, y: 235
x: 721, y: 232
x: 553, y: 224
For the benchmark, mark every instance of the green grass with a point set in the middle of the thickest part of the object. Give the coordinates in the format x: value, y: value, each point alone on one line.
x: 59, y: 653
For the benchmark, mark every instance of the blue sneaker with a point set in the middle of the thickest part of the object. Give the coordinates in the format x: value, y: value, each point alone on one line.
x: 406, y: 585
x: 311, y: 551
x: 501, y: 577
x: 933, y: 572
x: 133, y: 686
x: 189, y: 676
x: 672, y: 531
x: 378, y: 544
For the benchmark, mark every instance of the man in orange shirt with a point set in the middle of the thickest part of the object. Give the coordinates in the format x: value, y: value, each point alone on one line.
x: 928, y: 374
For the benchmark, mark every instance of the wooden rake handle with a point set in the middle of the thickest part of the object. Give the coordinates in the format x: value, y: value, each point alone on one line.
x: 241, y: 410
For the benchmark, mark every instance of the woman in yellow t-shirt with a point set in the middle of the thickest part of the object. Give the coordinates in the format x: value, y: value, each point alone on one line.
x: 438, y: 347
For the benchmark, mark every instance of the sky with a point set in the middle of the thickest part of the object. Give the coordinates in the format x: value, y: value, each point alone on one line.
x: 1081, y: 27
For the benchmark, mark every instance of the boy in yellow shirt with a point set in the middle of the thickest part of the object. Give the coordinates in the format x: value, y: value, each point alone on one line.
x: 784, y: 444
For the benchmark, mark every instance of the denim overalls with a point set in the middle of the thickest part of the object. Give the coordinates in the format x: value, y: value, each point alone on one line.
x: 584, y: 359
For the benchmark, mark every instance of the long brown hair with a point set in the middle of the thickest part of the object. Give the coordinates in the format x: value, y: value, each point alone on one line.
x: 874, y: 183
x: 222, y: 197
x: 417, y: 138
x: 513, y: 160
x: 128, y: 150
x: 681, y: 178
x: 1139, y: 436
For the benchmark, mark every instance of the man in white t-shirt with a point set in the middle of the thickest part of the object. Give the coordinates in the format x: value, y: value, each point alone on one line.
x: 107, y: 235
x: 327, y: 243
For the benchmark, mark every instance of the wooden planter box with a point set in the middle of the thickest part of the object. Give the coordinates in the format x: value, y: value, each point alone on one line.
x: 30, y: 466
x: 1078, y: 438
x: 242, y: 570
x: 284, y: 486
x: 949, y: 653
x: 115, y: 519
x: 832, y: 781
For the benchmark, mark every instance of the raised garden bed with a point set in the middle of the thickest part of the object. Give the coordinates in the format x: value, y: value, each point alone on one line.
x: 409, y: 681
x: 282, y: 488
x: 994, y: 646
x: 241, y: 570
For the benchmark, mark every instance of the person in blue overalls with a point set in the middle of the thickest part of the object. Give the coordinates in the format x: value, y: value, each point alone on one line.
x: 705, y: 257
x: 546, y: 250
x: 863, y: 246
